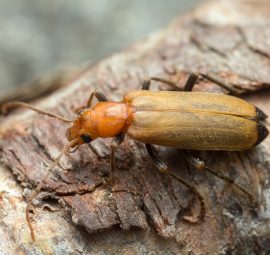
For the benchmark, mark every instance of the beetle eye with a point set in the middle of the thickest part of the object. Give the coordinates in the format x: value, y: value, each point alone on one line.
x: 86, y: 138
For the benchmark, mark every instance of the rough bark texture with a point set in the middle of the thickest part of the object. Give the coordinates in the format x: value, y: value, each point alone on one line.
x: 142, y: 212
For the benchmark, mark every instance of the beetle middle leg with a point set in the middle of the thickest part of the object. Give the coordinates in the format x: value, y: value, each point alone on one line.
x: 163, y: 168
x: 147, y: 83
x: 194, y: 77
x: 200, y: 165
x: 191, y: 81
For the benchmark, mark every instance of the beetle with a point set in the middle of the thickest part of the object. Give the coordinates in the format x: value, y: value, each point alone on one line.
x: 179, y: 119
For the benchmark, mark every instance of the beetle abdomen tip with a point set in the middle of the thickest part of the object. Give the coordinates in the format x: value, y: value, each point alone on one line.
x: 262, y: 133
x: 260, y: 114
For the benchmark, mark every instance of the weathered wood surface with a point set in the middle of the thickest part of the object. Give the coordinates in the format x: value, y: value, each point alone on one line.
x: 142, y: 212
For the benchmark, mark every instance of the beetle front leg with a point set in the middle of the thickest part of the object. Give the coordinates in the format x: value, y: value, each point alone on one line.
x: 98, y: 95
x: 200, y: 165
x: 163, y: 168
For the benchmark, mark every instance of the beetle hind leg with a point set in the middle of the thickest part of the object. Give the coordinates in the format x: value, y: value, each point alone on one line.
x: 163, y: 168
x: 200, y: 165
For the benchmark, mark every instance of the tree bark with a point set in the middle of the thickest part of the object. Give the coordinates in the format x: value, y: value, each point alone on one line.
x: 142, y: 211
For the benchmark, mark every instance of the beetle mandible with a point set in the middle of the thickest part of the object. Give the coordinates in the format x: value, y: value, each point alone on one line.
x: 183, y: 120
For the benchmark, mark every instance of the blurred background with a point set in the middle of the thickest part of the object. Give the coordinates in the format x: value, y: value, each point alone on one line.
x: 38, y: 36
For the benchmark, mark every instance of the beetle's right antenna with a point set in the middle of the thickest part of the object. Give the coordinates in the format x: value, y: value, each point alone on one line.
x: 39, y: 186
x: 7, y: 107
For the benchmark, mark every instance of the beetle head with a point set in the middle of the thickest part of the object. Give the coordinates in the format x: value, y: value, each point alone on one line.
x: 82, y: 129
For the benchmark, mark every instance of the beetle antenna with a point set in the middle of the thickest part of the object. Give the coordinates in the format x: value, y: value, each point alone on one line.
x: 39, y: 186
x: 6, y: 107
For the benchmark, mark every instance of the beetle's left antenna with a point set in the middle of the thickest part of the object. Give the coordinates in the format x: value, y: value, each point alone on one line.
x: 39, y: 186
x: 7, y: 107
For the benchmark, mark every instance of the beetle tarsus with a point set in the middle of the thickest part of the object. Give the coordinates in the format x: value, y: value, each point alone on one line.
x: 232, y: 182
x: 197, y: 162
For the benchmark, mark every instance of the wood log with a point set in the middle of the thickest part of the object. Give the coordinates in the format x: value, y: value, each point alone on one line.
x: 142, y: 211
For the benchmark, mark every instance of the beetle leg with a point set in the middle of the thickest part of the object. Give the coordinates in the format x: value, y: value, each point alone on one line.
x: 193, y: 77
x: 163, y: 168
x: 114, y: 144
x: 200, y: 165
x: 188, y: 87
x: 146, y: 83
x: 191, y: 81
x: 98, y: 95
